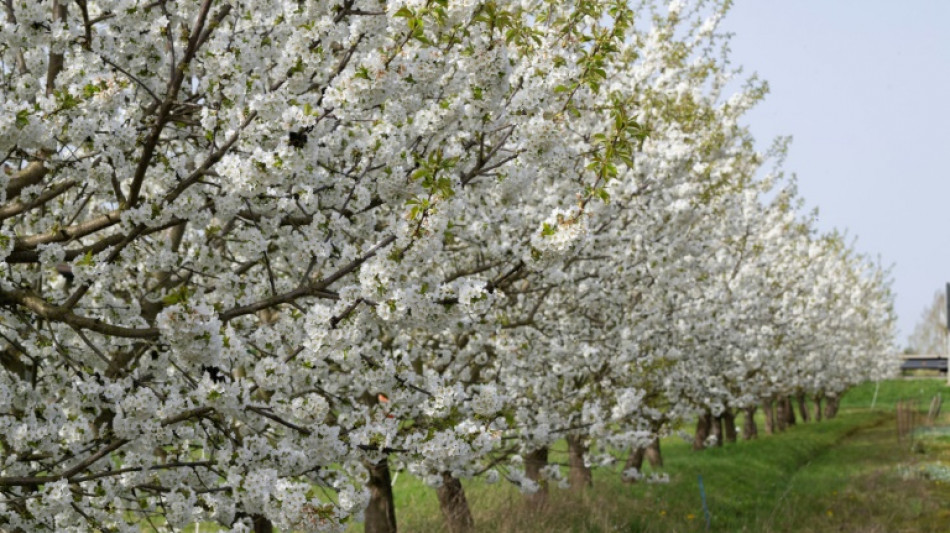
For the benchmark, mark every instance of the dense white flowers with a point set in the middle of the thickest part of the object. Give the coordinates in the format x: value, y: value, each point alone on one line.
x: 253, y: 248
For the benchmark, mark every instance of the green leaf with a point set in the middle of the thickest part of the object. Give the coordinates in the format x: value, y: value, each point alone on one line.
x: 177, y: 296
x: 86, y: 259
x: 89, y: 90
x: 22, y: 119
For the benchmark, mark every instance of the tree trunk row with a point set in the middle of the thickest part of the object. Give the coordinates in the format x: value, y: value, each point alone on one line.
x: 635, y: 460
x: 380, y: 516
x: 723, y: 427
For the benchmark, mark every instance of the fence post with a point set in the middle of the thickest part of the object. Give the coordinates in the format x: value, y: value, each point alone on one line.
x: 934, y: 411
x: 702, y: 494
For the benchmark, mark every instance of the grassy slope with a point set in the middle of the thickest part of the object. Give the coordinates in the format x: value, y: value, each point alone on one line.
x: 840, y: 475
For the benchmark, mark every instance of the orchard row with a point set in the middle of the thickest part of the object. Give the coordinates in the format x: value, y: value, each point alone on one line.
x: 259, y: 254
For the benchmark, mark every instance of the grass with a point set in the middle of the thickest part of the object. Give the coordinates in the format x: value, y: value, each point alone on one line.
x: 846, y: 474
x: 891, y: 391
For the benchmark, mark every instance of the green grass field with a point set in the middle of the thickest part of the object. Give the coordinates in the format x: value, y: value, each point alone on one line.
x: 891, y: 391
x: 846, y: 474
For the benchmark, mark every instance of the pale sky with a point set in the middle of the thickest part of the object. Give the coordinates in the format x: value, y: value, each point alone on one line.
x: 863, y: 86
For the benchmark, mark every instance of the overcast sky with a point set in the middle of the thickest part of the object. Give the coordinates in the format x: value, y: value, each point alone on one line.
x: 863, y: 86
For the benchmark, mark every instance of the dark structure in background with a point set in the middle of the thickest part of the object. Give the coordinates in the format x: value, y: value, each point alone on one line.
x: 913, y: 363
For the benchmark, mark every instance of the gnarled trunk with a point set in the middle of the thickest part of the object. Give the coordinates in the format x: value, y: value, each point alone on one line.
x: 749, y: 429
x: 653, y: 453
x: 380, y: 514
x: 533, y: 463
x: 768, y: 409
x: 703, y: 427
x: 817, y: 400
x: 580, y: 475
x: 803, y: 408
x: 454, y: 506
x: 634, y: 460
x: 729, y: 425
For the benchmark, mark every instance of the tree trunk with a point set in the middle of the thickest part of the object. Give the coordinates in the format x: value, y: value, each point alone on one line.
x: 634, y: 460
x: 789, y: 410
x: 263, y: 525
x: 703, y: 427
x: 781, y: 417
x: 817, y: 400
x: 653, y: 453
x: 803, y: 408
x: 749, y: 429
x: 717, y: 430
x: 729, y: 425
x: 381, y: 512
x: 768, y: 409
x: 831, y: 406
x: 533, y: 464
x: 580, y: 475
x: 454, y: 506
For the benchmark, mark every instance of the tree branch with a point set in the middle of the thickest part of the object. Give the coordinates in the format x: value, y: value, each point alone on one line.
x: 42, y: 308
